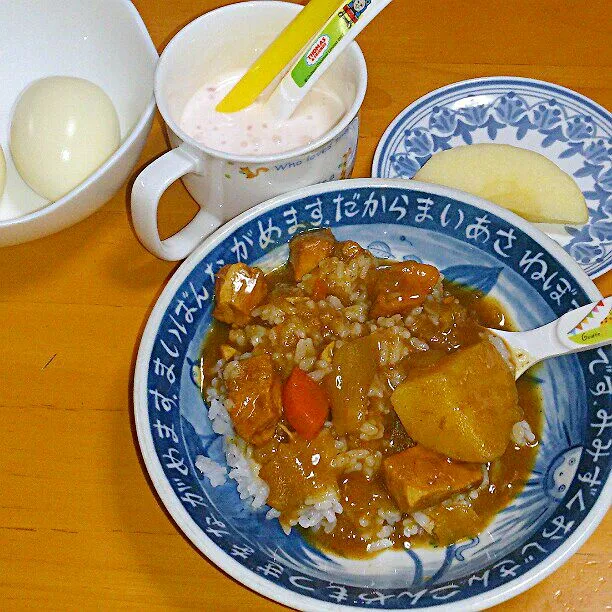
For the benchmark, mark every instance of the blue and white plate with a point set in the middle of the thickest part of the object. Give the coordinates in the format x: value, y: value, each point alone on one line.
x: 569, y: 129
x: 471, y: 241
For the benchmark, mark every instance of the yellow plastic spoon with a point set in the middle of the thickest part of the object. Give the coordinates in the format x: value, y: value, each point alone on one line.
x: 340, y: 30
x: 276, y: 57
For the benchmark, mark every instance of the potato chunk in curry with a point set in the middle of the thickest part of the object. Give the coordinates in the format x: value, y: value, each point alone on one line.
x: 353, y: 370
x: 463, y: 406
x: 238, y: 289
x: 418, y: 478
x: 254, y: 391
x: 308, y: 249
x: 452, y: 523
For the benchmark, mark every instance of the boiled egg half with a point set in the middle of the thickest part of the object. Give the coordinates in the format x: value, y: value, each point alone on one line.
x: 63, y: 129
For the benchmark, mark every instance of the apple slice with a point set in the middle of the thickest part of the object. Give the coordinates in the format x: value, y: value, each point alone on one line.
x: 520, y: 180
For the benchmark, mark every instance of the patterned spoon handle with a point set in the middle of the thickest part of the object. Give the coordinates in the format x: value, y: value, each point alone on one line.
x: 582, y: 329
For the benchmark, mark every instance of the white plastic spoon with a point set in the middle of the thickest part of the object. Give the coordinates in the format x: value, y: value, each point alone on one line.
x: 339, y: 31
x: 585, y: 328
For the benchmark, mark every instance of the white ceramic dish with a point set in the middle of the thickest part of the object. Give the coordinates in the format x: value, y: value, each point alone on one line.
x: 104, y: 41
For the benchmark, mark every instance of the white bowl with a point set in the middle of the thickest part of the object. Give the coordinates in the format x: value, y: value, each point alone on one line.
x: 104, y: 41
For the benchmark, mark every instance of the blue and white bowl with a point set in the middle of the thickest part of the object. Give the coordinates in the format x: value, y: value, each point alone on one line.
x: 569, y: 129
x: 471, y: 241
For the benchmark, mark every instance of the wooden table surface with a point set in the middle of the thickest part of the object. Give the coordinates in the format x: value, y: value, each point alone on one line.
x: 80, y: 527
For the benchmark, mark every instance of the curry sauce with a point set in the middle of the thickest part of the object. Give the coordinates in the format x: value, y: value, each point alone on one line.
x: 507, y: 476
x: 319, y: 322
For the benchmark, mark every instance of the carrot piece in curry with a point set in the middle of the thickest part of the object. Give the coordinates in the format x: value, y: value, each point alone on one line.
x: 305, y: 403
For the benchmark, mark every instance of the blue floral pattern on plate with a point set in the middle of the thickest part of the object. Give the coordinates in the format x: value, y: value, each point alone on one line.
x: 566, y: 127
x: 471, y: 245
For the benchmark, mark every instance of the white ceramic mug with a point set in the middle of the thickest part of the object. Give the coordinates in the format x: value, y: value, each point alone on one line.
x: 223, y: 184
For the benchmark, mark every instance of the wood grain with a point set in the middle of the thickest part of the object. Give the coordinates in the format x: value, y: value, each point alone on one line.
x: 79, y: 525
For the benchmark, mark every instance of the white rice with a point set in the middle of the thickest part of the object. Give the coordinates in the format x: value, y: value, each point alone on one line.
x: 390, y: 516
x: 483, y: 486
x: 423, y: 521
x: 244, y: 471
x: 371, y: 431
x: 385, y: 532
x: 379, y: 545
x: 411, y: 527
x: 321, y: 512
x: 218, y: 415
x: 522, y: 434
x: 419, y: 344
x: 334, y: 302
x: 272, y: 513
x: 502, y: 348
x: 216, y: 473
x: 383, y: 528
x: 305, y: 355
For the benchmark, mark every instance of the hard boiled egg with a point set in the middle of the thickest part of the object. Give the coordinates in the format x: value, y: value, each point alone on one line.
x: 63, y: 129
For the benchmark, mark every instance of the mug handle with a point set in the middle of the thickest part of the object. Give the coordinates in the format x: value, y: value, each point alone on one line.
x: 148, y: 189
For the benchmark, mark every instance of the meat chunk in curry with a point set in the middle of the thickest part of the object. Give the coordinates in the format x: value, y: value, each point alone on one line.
x: 401, y: 286
x: 254, y: 391
x: 238, y: 290
x: 418, y: 478
x: 308, y: 249
x: 463, y: 406
x: 298, y: 469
